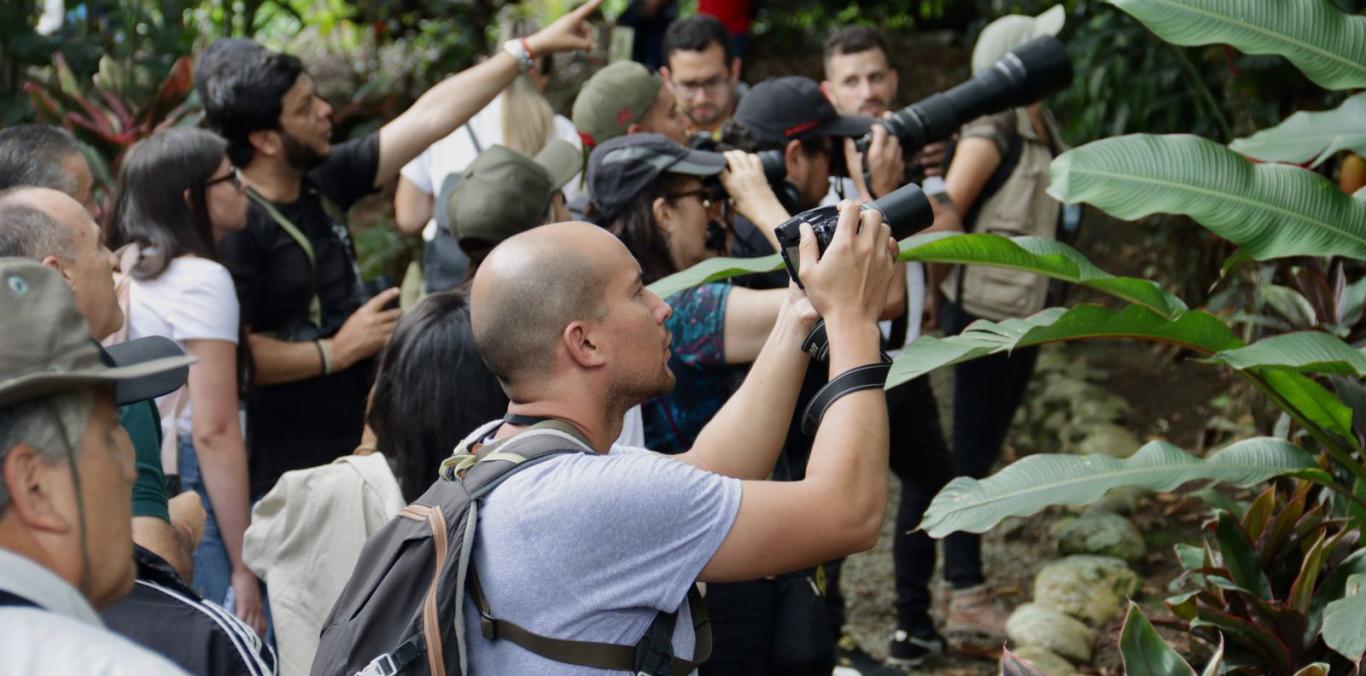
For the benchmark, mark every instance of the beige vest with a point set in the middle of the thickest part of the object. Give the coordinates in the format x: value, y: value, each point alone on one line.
x: 1021, y: 206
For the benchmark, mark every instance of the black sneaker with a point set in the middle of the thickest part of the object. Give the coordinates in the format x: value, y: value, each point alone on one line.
x: 852, y: 659
x: 910, y: 651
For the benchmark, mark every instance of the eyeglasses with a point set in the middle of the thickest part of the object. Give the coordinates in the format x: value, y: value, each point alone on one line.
x: 231, y: 176
x: 712, y: 85
x: 703, y: 194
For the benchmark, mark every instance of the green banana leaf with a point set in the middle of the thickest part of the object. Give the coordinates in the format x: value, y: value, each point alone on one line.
x: 1345, y: 618
x: 1323, y: 42
x: 1194, y: 329
x: 1043, y: 256
x: 713, y: 270
x: 1305, y: 351
x: 1038, y: 481
x: 1268, y: 210
x: 1307, y: 136
x: 1144, y: 651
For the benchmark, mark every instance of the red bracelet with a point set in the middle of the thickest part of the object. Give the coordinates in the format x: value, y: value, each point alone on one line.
x: 527, y: 46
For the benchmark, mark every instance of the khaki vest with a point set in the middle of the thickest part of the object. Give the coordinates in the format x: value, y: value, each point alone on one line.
x: 1021, y: 206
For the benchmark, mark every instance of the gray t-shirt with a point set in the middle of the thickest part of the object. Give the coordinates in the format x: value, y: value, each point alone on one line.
x: 590, y: 547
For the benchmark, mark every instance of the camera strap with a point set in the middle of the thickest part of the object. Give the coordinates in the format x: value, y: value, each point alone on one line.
x: 856, y: 379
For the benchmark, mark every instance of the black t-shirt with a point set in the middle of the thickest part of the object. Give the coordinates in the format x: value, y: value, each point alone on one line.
x: 307, y: 422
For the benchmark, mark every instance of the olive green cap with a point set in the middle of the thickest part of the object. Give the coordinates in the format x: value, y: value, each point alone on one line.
x: 504, y: 192
x: 613, y: 99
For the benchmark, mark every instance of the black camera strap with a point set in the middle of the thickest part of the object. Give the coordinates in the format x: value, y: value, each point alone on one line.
x: 817, y: 345
x: 856, y: 379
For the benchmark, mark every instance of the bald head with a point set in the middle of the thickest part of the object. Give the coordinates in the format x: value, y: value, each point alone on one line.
x: 535, y: 284
x: 31, y: 223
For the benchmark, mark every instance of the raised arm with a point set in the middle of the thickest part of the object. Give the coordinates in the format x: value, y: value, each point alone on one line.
x: 837, y: 509
x: 453, y: 101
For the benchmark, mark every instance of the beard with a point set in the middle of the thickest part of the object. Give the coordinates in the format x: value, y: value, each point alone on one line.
x: 299, y: 155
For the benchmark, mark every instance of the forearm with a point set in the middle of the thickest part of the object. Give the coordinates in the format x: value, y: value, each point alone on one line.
x: 744, y: 438
x: 223, y: 462
x: 849, y: 455
x: 166, y: 541
x: 441, y: 110
x: 765, y: 212
x: 279, y: 361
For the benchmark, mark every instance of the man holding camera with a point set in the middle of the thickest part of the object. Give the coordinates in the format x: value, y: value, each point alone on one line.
x: 859, y: 79
x: 312, y: 329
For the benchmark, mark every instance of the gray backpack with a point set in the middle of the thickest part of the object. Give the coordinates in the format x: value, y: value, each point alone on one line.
x: 403, y: 610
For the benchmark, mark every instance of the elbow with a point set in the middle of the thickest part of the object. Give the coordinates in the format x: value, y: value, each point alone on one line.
x: 214, y: 436
x: 867, y: 527
x: 408, y: 223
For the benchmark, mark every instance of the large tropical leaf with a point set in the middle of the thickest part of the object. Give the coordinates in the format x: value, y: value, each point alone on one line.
x: 1308, y: 351
x: 1144, y: 651
x: 1043, y: 256
x: 1038, y: 481
x: 1328, y: 45
x: 1345, y: 618
x: 1268, y: 210
x: 1193, y: 329
x: 713, y: 270
x: 1307, y: 136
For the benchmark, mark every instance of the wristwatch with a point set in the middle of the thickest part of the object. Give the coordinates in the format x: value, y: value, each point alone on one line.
x: 520, y: 50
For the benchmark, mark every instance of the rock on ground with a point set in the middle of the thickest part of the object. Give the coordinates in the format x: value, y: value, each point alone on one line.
x: 1090, y: 588
x: 1034, y: 625
x: 1046, y: 661
x: 1102, y: 533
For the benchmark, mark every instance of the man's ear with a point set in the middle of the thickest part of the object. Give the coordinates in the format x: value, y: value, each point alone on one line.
x: 794, y: 157
x: 34, y: 489
x: 828, y: 88
x: 582, y: 347
x: 266, y: 142
x: 664, y: 74
x: 56, y: 264
x: 735, y: 67
x: 891, y: 73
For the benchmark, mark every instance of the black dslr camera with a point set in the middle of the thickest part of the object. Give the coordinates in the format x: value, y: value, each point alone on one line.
x: 1028, y: 73
x: 905, y: 209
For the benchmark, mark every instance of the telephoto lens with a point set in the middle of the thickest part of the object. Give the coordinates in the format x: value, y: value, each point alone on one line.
x: 905, y: 209
x: 1031, y: 72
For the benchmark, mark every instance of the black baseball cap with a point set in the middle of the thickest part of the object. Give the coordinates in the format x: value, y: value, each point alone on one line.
x: 623, y: 167
x: 781, y: 109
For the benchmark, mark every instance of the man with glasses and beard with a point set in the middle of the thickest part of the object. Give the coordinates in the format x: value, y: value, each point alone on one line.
x: 703, y: 71
x: 311, y: 331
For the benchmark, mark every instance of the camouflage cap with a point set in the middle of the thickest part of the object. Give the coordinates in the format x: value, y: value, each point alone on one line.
x: 613, y: 99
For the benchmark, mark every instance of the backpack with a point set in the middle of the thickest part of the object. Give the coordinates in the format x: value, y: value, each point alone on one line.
x: 403, y: 610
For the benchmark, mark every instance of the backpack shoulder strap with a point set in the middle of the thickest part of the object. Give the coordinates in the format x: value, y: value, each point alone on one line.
x: 998, y: 178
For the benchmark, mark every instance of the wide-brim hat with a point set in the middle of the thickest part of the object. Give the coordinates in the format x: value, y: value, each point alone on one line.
x: 46, y: 348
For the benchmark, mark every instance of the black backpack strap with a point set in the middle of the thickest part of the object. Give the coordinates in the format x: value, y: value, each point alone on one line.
x: 15, y: 601
x: 993, y: 184
x: 651, y: 656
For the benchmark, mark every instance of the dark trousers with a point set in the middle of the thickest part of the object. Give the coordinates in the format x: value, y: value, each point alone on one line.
x: 920, y: 459
x: 986, y: 393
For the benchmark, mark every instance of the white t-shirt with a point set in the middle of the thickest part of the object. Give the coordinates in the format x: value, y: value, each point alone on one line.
x: 589, y: 547
x: 915, y: 274
x: 453, y: 153
x: 194, y: 299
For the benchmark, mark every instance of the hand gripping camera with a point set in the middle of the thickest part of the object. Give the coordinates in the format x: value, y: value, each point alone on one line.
x: 905, y: 209
x: 1031, y: 72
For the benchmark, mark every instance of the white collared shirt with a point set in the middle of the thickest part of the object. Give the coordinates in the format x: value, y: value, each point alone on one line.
x: 63, y: 635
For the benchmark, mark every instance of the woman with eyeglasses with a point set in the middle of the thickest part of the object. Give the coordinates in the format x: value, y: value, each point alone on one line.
x: 654, y: 195
x: 177, y: 196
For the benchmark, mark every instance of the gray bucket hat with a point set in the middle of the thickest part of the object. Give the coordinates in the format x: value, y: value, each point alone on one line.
x: 46, y: 348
